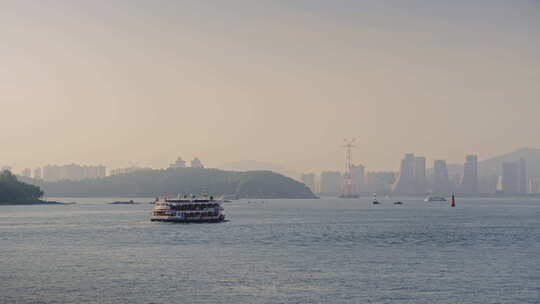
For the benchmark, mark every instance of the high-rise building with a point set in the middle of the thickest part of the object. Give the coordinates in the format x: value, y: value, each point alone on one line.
x: 523, y: 179
x: 101, y: 171
x: 128, y: 170
x: 74, y: 172
x: 37, y: 173
x: 309, y: 180
x: 488, y: 184
x: 510, y: 178
x: 407, y: 182
x: 27, y: 173
x: 179, y: 163
x: 441, y: 181
x: 380, y: 182
x: 357, y: 176
x: 196, y: 163
x: 51, y: 173
x: 71, y: 172
x: 469, y: 183
x: 93, y: 172
x: 420, y: 175
x: 514, y: 177
x: 534, y: 186
x: 331, y: 182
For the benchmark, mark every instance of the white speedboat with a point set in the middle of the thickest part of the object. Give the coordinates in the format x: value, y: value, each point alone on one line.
x: 430, y: 198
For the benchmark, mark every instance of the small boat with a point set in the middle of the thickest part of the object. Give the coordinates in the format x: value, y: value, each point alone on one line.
x: 453, y: 204
x: 123, y: 203
x: 398, y: 203
x: 375, y: 201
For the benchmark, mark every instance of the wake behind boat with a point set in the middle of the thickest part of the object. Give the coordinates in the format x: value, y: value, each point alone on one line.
x: 192, y: 209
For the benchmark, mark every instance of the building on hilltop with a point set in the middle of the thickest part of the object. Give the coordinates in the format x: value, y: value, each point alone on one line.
x: 74, y: 172
x: 196, y: 163
x: 128, y: 170
x: 71, y: 172
x: 37, y: 173
x: 27, y: 172
x: 179, y: 163
x: 51, y: 173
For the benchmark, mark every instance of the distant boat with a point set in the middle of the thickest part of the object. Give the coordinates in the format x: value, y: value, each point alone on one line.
x: 375, y: 201
x: 453, y: 200
x: 398, y: 203
x: 123, y: 203
x: 430, y: 198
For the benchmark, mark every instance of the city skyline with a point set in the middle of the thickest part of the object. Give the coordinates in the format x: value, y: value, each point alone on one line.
x: 113, y: 82
x: 411, y: 179
x: 167, y: 164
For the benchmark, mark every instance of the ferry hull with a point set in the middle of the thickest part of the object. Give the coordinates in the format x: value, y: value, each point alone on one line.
x: 183, y: 220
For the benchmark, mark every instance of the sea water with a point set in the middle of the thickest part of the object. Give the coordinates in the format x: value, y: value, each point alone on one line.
x: 274, y: 251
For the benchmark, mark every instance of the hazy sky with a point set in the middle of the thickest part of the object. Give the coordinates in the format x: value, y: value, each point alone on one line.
x: 278, y: 81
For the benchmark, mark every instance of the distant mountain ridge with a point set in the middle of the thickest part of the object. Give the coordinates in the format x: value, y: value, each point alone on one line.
x: 171, y: 182
x: 493, y: 166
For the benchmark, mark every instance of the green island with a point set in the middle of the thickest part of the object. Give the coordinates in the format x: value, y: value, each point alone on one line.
x: 171, y: 182
x: 14, y: 192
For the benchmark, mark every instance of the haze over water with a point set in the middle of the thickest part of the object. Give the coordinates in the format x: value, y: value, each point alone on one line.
x: 280, y: 251
x: 139, y: 83
x: 112, y: 82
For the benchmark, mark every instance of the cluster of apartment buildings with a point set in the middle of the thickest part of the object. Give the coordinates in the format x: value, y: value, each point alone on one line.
x: 75, y: 172
x: 331, y: 182
x: 179, y: 163
x: 415, y: 179
x: 53, y: 173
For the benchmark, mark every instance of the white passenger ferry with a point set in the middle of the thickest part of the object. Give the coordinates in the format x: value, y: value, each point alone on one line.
x: 188, y: 209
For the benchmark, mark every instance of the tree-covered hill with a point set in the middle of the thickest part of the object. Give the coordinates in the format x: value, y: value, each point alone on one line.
x: 13, y: 191
x: 171, y: 182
